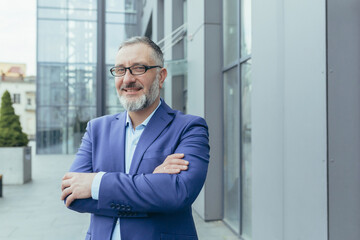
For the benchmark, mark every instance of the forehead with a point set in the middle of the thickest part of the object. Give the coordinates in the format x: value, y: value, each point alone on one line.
x: 134, y: 53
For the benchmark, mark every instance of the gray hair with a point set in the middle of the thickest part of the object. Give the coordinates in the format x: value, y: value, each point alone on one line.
x: 158, y: 54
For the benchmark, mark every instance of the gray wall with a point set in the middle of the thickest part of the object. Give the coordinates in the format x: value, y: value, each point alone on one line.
x: 344, y: 118
x: 289, y: 120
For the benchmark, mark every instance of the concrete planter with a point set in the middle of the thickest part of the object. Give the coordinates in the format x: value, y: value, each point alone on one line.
x: 15, y: 164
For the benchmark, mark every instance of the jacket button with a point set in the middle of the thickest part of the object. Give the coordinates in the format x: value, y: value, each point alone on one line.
x: 112, y: 205
x: 117, y: 206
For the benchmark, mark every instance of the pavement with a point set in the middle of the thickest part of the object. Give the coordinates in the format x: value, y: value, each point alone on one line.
x: 33, y: 211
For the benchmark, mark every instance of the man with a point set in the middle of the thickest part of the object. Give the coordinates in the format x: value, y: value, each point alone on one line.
x: 138, y: 172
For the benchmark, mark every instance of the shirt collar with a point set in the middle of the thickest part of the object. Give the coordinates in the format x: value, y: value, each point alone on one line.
x: 146, y: 121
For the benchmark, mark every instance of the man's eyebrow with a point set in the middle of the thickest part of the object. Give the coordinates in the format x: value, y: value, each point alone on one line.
x: 136, y: 63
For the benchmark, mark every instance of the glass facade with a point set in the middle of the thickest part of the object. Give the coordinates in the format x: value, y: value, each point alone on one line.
x: 237, y: 115
x: 67, y: 63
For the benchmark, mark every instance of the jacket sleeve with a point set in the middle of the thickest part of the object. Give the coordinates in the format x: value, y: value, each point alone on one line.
x: 162, y: 192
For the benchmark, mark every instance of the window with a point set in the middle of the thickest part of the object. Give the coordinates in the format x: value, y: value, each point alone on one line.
x: 29, y: 101
x: 16, y: 98
x: 237, y: 116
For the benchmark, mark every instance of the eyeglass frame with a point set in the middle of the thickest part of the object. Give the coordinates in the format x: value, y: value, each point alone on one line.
x: 129, y: 68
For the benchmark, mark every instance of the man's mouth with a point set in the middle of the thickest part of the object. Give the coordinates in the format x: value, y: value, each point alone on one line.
x: 131, y: 89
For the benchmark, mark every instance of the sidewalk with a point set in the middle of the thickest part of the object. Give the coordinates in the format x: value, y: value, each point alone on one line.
x: 33, y: 211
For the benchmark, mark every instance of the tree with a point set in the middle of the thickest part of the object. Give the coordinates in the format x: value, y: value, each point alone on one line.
x: 11, y: 134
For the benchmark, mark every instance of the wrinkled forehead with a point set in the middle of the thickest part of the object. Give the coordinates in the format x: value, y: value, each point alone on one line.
x: 135, y: 53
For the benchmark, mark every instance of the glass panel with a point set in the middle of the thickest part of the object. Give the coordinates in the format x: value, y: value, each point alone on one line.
x: 120, y: 6
x: 112, y: 102
x: 78, y: 118
x: 51, y: 130
x: 52, y: 84
x: 57, y: 3
x: 67, y: 14
x: 53, y: 13
x: 81, y: 42
x: 81, y: 82
x: 121, y: 18
x: 60, y: 129
x: 245, y: 27
x: 52, y: 41
x: 231, y: 34
x: 246, y: 150
x: 82, y: 14
x: 176, y: 67
x: 232, y: 152
x: 115, y: 35
x: 82, y: 4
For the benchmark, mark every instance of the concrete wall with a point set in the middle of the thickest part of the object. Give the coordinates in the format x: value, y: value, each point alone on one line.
x: 289, y: 120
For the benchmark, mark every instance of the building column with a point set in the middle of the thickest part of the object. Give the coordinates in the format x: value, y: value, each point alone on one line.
x: 205, y: 91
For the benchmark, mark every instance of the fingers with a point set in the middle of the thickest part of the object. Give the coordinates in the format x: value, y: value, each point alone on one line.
x: 76, y: 186
x: 65, y: 184
x: 176, y: 162
x: 65, y: 193
x: 175, y: 155
x: 173, y: 164
x: 68, y: 175
x: 69, y: 200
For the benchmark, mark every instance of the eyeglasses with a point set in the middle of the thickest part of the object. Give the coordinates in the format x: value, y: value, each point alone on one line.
x: 134, y: 70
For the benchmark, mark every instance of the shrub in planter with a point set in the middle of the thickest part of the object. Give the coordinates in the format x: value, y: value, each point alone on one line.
x: 15, y: 156
x: 11, y: 134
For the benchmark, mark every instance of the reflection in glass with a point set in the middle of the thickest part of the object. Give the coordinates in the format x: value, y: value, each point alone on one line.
x: 231, y: 32
x: 52, y: 41
x: 245, y: 28
x: 60, y: 129
x: 66, y: 73
x: 81, y: 42
x: 231, y: 149
x: 246, y: 150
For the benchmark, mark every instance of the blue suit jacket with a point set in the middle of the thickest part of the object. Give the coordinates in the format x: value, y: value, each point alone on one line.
x: 151, y: 206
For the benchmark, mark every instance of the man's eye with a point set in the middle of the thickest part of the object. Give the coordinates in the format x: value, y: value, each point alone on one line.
x: 138, y: 68
x: 120, y: 70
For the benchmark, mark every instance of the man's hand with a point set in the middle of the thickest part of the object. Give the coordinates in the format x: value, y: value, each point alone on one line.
x: 173, y: 164
x: 76, y: 186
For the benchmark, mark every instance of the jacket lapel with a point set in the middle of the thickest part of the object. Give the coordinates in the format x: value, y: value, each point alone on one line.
x: 117, y: 143
x: 159, y: 121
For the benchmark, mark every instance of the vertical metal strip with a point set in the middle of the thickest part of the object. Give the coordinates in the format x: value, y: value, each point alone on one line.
x: 100, y: 65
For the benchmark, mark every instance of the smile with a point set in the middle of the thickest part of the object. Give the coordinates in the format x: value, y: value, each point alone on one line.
x: 131, y: 89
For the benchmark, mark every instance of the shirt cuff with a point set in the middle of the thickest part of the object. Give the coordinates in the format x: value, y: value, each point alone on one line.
x: 95, y: 186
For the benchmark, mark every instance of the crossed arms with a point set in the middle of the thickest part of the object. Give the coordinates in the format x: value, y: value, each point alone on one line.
x: 78, y: 185
x: 171, y: 186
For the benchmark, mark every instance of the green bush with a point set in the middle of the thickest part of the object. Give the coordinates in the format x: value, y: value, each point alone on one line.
x: 11, y: 134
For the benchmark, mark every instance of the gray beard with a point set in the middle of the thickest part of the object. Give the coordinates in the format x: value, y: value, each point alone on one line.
x: 144, y: 100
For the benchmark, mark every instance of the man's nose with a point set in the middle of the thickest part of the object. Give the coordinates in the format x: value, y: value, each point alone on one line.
x: 128, y: 77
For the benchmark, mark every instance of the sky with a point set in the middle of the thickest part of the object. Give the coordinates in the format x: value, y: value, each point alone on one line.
x: 18, y: 33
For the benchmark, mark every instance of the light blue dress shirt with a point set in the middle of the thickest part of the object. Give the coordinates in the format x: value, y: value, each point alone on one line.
x: 131, y: 139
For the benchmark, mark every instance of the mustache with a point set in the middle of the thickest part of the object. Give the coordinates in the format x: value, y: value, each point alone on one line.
x: 131, y: 85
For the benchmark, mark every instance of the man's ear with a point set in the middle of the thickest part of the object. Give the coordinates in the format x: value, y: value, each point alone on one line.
x: 163, y: 74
